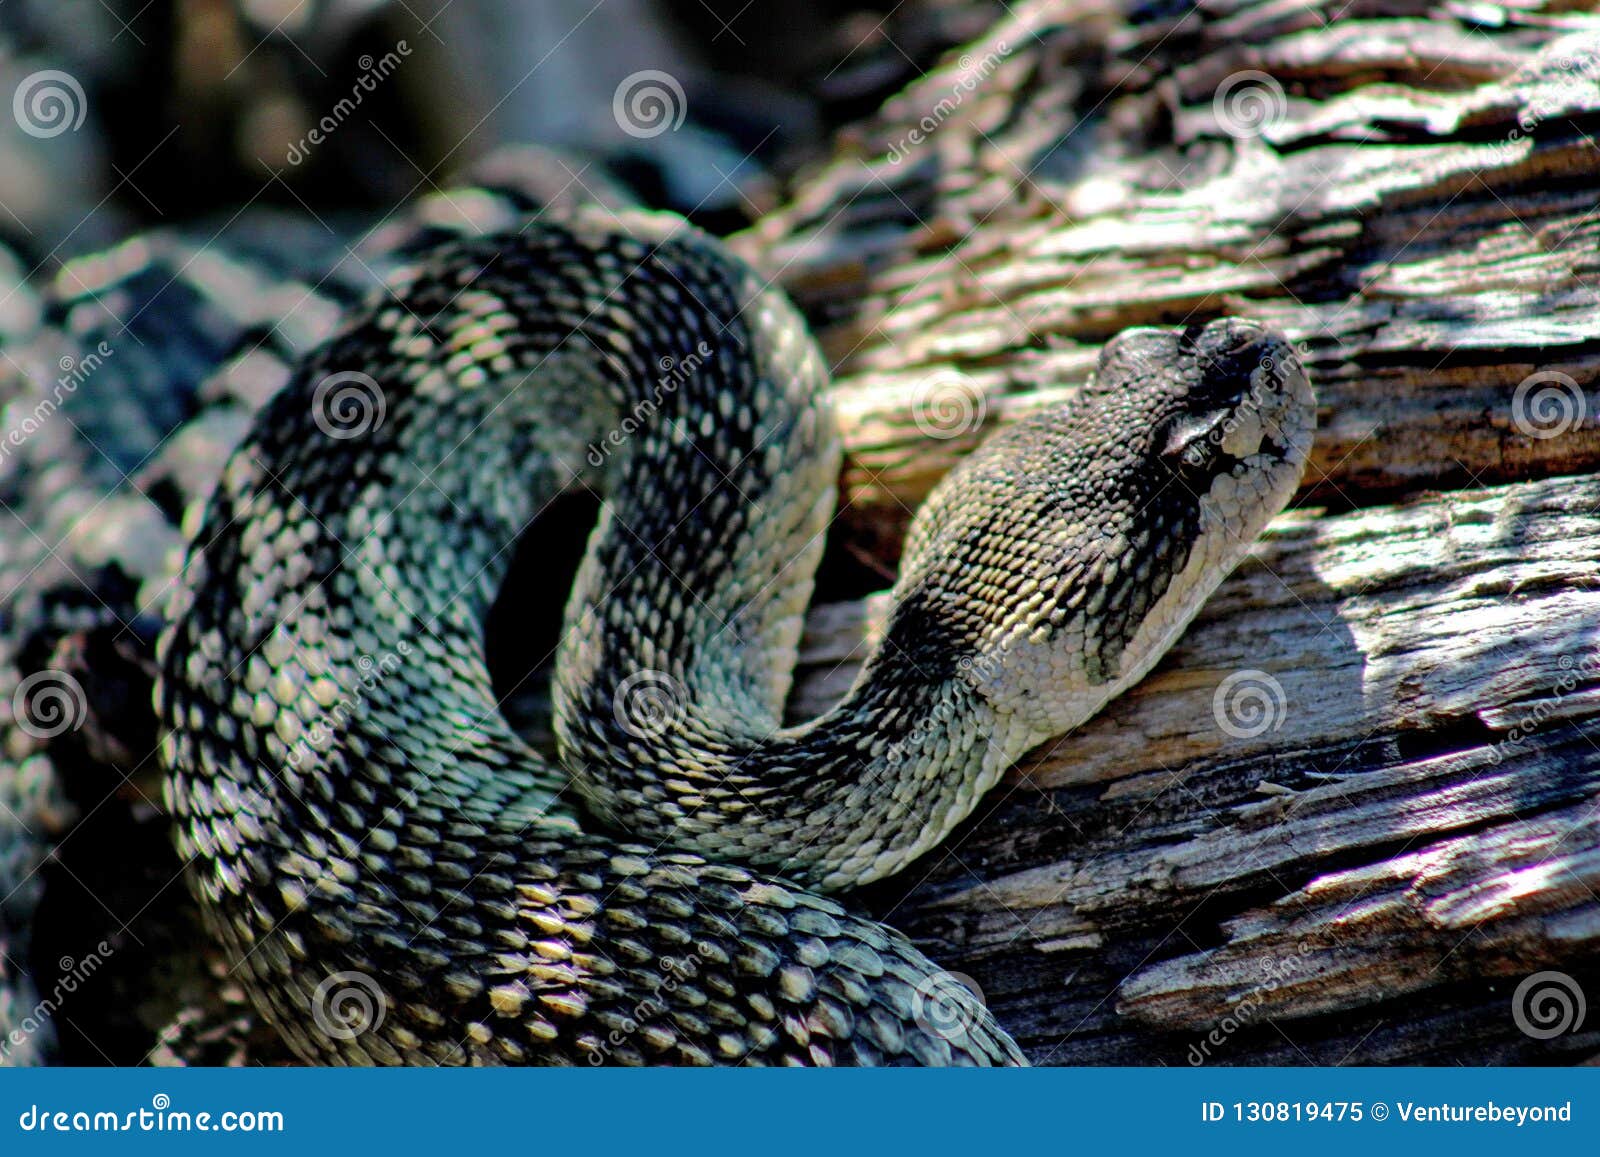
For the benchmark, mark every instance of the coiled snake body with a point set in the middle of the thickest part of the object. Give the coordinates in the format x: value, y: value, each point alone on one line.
x: 369, y: 831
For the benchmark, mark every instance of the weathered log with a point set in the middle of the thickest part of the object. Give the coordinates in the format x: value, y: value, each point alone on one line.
x: 1416, y: 206
x: 1359, y: 805
x: 1366, y: 772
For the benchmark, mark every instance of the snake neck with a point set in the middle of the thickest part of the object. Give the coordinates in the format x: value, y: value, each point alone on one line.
x: 664, y: 748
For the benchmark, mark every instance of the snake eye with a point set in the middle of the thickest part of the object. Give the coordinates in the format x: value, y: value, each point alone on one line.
x: 1188, y: 436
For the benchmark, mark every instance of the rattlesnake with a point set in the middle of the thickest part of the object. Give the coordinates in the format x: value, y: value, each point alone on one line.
x: 125, y: 379
x: 401, y: 879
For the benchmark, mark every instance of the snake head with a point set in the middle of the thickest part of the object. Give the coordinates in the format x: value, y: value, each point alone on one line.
x: 1201, y: 434
x: 1227, y: 399
x: 1118, y: 514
